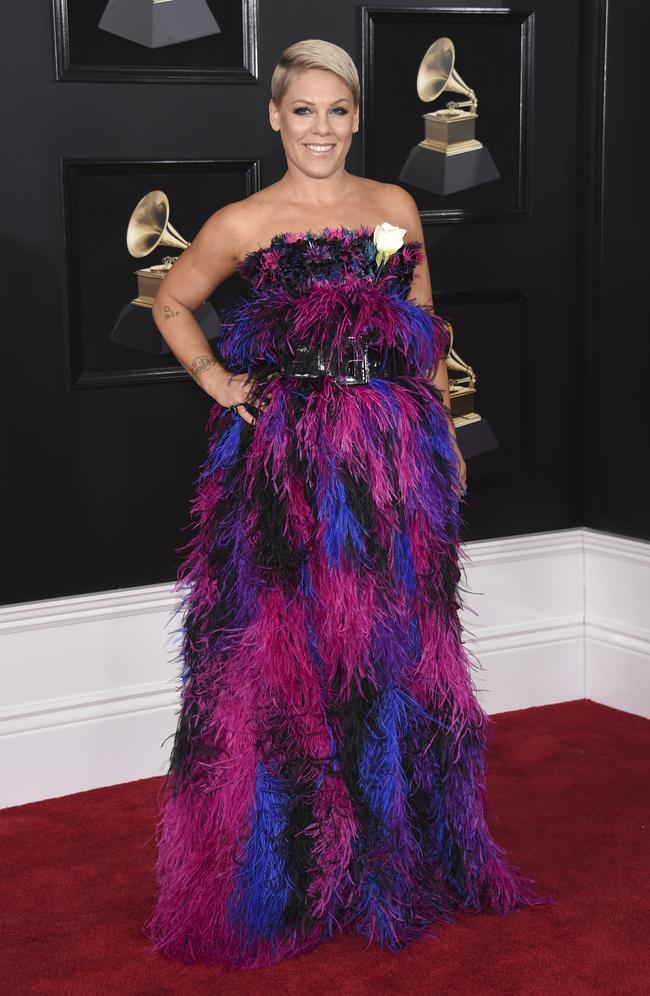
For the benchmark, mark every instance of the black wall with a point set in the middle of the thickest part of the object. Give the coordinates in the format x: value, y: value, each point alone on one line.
x: 550, y: 306
x: 614, y: 327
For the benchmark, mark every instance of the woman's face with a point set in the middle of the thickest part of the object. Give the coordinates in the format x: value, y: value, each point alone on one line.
x: 316, y: 120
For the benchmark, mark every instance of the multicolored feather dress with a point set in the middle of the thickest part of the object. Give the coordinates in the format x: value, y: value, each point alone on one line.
x: 327, y: 771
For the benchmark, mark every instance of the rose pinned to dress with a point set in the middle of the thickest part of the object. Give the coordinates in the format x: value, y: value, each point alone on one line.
x: 388, y: 239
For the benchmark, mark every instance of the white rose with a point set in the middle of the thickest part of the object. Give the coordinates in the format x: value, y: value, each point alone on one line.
x: 388, y: 238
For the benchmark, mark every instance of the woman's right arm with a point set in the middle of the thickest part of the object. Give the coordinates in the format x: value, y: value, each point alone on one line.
x: 206, y: 263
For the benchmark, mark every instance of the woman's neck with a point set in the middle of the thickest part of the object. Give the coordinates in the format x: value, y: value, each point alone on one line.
x: 320, y: 193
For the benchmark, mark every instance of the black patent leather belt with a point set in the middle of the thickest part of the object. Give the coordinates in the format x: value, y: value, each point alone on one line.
x: 355, y: 363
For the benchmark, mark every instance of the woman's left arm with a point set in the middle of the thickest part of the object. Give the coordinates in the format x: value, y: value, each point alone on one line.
x: 421, y: 293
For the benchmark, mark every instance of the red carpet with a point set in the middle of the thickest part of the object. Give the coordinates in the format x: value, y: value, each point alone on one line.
x: 568, y: 800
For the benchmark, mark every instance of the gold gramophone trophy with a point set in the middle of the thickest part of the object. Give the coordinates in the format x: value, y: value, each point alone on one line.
x: 149, y: 228
x: 449, y: 157
x: 473, y: 432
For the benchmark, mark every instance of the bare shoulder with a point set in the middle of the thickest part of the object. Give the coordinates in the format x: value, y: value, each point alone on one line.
x: 392, y: 203
x: 233, y: 226
x: 400, y: 208
x: 403, y: 209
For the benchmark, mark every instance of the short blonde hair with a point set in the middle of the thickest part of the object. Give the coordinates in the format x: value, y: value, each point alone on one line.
x: 314, y: 53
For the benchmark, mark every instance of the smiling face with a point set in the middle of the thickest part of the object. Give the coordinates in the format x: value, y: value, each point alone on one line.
x: 316, y: 120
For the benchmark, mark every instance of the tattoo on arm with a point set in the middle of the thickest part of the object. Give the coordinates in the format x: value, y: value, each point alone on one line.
x: 200, y: 364
x: 170, y: 313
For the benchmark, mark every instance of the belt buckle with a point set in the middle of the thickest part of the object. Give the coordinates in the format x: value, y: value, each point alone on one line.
x: 357, y: 369
x: 300, y: 362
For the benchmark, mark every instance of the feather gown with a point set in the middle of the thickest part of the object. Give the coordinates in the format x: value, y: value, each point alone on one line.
x: 327, y: 772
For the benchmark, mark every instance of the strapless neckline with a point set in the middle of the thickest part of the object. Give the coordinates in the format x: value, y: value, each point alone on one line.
x: 326, y: 235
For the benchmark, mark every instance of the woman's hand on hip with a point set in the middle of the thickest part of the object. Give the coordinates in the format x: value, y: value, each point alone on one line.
x: 230, y: 389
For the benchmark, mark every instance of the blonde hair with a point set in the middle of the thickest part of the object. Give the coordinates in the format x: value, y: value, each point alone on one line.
x: 314, y: 53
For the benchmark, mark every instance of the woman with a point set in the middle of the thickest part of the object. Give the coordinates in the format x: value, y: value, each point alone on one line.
x: 327, y: 770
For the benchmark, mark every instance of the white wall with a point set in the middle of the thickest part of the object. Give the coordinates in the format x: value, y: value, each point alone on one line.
x: 524, y: 620
x: 89, y: 684
x: 617, y: 621
x: 88, y: 691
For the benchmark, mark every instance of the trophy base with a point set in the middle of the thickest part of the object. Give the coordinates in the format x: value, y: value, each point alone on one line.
x: 433, y: 170
x: 474, y: 436
x: 462, y: 401
x: 158, y: 24
x: 136, y: 328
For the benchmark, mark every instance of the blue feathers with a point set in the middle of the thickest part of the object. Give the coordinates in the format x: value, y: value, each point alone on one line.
x: 369, y: 250
x: 404, y: 567
x: 263, y: 886
x: 380, y: 770
x: 341, y: 529
x: 225, y: 449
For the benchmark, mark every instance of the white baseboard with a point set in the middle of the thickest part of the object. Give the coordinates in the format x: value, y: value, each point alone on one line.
x: 524, y: 619
x: 617, y: 621
x: 90, y: 682
x: 89, y: 691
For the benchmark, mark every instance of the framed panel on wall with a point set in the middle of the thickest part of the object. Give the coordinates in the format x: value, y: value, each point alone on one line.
x: 109, y: 289
x: 495, y: 334
x: 466, y: 162
x: 156, y: 41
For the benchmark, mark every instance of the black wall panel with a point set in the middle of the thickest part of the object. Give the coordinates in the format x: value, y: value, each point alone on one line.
x: 615, y: 328
x: 547, y: 303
